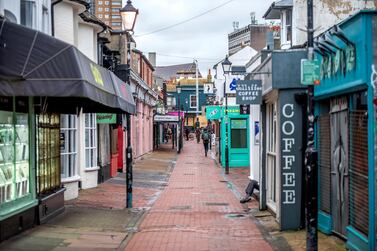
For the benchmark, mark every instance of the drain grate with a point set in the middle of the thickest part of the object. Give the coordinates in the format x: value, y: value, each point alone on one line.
x: 180, y: 208
x: 235, y: 216
x: 217, y: 204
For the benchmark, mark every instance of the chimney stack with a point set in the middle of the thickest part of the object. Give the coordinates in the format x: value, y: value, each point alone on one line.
x: 152, y: 58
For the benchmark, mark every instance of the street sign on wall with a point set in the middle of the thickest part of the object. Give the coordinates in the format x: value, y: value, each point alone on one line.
x: 310, y: 72
x: 165, y: 118
x: 106, y: 118
x: 249, y: 92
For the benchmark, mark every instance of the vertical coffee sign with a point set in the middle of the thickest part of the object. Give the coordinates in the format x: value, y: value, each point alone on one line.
x: 249, y: 92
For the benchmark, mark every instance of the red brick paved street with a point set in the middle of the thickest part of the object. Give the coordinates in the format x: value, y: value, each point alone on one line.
x: 197, y: 211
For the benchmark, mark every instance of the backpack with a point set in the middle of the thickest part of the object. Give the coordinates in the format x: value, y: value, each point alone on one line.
x: 205, y: 136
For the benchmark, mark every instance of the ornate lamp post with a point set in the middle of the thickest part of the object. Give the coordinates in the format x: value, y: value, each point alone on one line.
x: 226, y: 64
x: 129, y: 14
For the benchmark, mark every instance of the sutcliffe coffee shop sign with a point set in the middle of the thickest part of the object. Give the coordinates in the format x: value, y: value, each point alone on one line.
x: 249, y: 92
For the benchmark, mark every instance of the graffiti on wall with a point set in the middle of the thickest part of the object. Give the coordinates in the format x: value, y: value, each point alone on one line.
x: 340, y: 62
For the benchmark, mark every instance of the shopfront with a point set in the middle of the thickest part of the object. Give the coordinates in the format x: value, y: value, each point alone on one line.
x: 38, y: 144
x: 282, y: 145
x: 345, y: 131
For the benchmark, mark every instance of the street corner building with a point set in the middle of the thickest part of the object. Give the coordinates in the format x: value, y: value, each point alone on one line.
x: 345, y: 130
x: 41, y: 79
x: 283, y: 116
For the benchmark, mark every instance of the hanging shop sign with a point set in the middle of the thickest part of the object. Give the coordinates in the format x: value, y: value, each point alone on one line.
x: 165, y: 118
x: 244, y: 109
x: 106, y: 118
x: 208, y: 89
x: 310, y: 72
x: 249, y: 92
x: 213, y: 112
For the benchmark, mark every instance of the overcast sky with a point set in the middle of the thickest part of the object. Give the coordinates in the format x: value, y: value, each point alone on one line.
x: 204, y: 38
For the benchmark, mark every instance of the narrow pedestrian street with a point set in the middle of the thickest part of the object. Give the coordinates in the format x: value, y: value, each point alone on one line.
x: 197, y: 211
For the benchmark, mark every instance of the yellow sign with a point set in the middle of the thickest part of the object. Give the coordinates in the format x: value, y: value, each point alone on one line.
x: 96, y: 74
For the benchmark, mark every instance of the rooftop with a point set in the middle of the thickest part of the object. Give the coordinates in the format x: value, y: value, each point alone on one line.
x: 171, y: 71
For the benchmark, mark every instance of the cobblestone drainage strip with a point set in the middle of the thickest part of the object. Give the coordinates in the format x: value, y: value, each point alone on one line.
x: 216, y: 204
x: 235, y: 216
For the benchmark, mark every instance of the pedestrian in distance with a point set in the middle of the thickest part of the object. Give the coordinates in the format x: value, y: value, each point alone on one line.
x: 197, y: 132
x: 187, y: 132
x: 205, y: 138
x: 253, y: 184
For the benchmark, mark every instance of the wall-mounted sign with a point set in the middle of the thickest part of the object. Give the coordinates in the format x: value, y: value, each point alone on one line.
x: 208, y: 89
x: 256, y: 133
x: 244, y: 109
x: 106, y: 118
x: 238, y: 123
x: 249, y: 92
x: 310, y: 71
x: 165, y: 118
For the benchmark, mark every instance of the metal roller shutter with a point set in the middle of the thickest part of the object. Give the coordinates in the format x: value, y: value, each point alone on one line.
x: 359, y: 171
x: 324, y: 162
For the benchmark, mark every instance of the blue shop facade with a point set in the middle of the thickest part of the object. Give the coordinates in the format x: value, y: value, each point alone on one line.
x: 345, y: 130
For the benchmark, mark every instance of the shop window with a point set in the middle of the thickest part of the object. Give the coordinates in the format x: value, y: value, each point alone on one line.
x: 14, y: 149
x: 68, y: 145
x: 238, y: 133
x: 48, y: 152
x: 271, y: 154
x: 90, y: 140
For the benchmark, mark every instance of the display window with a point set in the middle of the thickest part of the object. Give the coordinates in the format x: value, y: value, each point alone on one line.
x: 238, y: 133
x: 90, y: 140
x: 48, y: 153
x: 68, y: 145
x: 14, y: 149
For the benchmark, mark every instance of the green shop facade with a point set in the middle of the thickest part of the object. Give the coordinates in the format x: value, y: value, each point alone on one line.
x: 345, y: 130
x: 40, y: 74
x: 238, y: 134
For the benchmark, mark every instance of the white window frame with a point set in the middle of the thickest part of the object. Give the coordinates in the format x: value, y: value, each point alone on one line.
x: 107, y: 9
x: 271, y: 155
x: 72, y: 128
x: 100, y: 15
x: 107, y: 2
x: 100, y: 9
x: 116, y: 3
x: 99, y: 2
x: 91, y: 128
x: 191, y: 101
x: 106, y: 15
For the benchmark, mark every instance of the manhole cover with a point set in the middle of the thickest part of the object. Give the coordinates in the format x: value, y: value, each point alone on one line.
x: 235, y: 216
x: 217, y: 204
x: 180, y: 208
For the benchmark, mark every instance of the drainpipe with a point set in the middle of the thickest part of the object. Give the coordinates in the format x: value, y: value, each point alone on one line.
x: 52, y: 16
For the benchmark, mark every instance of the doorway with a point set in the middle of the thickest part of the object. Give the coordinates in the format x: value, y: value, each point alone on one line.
x: 339, y: 170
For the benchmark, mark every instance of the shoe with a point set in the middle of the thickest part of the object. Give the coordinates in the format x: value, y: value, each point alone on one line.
x: 246, y: 199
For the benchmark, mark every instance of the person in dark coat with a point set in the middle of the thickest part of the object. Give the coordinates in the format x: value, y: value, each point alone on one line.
x: 253, y: 184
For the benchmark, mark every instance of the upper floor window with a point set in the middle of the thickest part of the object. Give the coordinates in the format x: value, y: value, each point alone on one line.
x: 107, y: 9
x: 192, y: 101
x: 28, y: 13
x: 100, y: 15
x: 107, y: 16
x: 106, y: 2
x: 116, y: 23
x: 288, y: 25
x: 116, y: 3
x: 115, y: 16
x: 100, y: 9
x: 99, y: 2
x: 115, y: 9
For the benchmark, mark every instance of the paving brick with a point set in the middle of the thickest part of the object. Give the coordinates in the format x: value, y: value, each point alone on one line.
x: 192, y: 213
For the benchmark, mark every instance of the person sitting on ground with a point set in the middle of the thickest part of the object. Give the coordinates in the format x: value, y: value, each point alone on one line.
x: 253, y: 184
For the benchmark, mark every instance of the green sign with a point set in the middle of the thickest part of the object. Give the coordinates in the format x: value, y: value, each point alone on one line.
x: 213, y: 112
x: 238, y: 124
x: 106, y: 118
x: 310, y: 71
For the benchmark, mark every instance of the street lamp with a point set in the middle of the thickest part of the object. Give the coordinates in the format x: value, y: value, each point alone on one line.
x: 226, y: 64
x: 129, y: 14
x: 179, y: 89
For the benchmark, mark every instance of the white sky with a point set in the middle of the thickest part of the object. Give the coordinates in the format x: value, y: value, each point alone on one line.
x: 204, y: 38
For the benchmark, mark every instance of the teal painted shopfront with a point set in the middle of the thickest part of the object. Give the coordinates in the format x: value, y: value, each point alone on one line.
x: 238, y: 134
x: 345, y: 130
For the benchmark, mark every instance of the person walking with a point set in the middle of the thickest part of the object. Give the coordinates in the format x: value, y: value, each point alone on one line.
x: 197, y: 132
x: 187, y: 132
x: 205, y: 138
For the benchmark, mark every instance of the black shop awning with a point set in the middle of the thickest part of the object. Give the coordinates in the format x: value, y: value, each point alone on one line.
x: 37, y: 65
